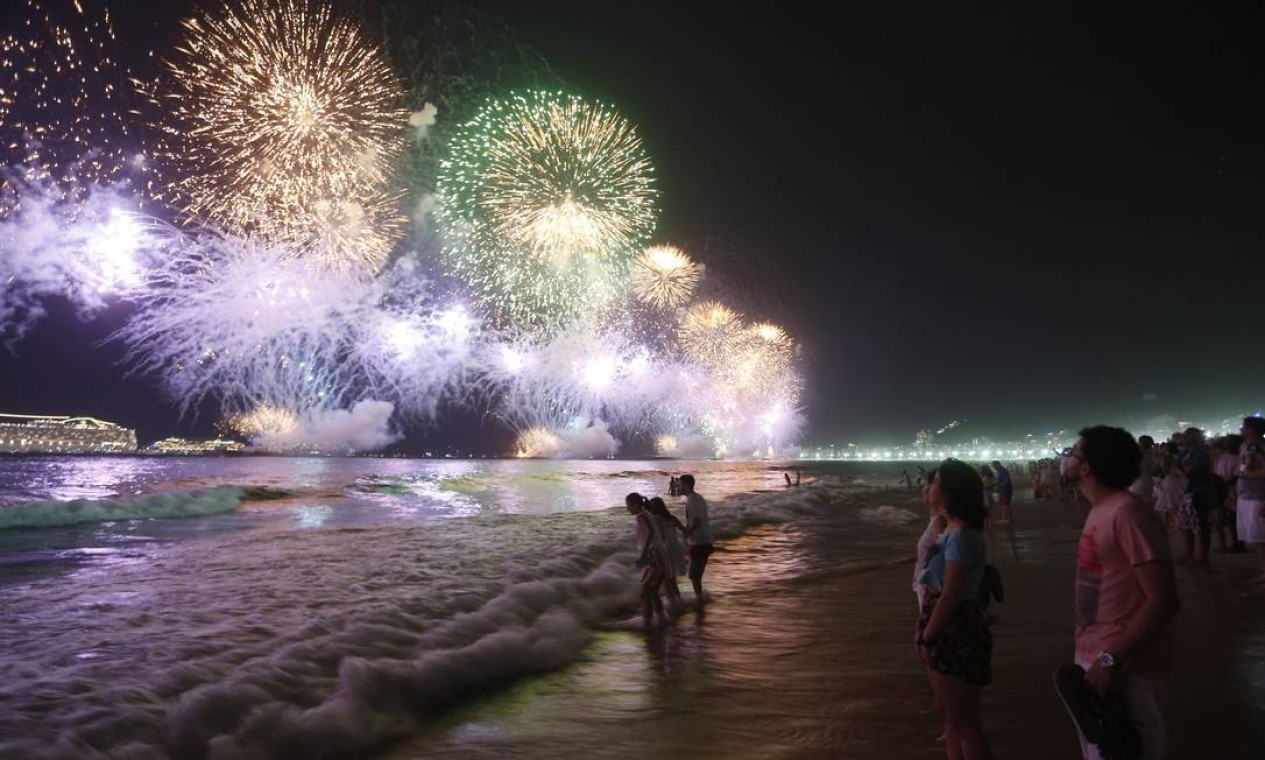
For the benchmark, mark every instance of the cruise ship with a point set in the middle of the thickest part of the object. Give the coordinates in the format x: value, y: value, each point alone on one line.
x: 186, y: 447
x: 31, y: 434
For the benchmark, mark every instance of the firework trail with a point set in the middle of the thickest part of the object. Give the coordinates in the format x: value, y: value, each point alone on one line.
x: 245, y: 323
x: 586, y: 375
x: 543, y: 200
x: 284, y: 121
x: 64, y: 101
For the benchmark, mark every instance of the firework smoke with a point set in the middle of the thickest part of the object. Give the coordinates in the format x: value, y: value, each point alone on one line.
x: 583, y: 440
x: 87, y: 248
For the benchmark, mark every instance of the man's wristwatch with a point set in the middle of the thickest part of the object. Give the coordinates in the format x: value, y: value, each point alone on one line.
x: 1107, y: 659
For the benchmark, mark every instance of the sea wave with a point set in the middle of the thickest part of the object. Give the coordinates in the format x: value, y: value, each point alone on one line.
x: 173, y: 504
x: 887, y: 515
x: 327, y: 643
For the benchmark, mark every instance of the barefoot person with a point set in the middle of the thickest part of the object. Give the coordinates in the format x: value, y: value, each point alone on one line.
x: 669, y: 528
x: 1250, y: 511
x: 952, y: 635
x: 1126, y: 594
x: 698, y: 533
x: 652, y: 559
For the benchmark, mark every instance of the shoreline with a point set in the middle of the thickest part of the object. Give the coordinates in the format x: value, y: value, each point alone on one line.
x: 821, y: 663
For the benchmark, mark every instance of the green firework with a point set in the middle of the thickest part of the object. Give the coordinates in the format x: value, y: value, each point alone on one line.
x: 544, y: 199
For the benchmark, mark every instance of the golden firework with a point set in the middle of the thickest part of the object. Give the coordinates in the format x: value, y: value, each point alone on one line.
x: 664, y: 276
x: 537, y: 442
x: 288, y: 123
x: 262, y: 420
x: 710, y: 333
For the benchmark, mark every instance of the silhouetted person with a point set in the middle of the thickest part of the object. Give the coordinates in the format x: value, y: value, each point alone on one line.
x: 698, y: 534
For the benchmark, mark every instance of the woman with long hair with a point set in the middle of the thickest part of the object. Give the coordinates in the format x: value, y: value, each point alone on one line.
x: 928, y: 542
x: 952, y: 634
x: 671, y: 528
x: 652, y: 557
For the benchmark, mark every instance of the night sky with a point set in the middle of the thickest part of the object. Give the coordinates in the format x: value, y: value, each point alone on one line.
x: 1028, y: 219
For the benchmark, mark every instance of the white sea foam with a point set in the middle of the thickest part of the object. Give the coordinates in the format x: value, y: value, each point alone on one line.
x: 321, y: 643
x: 47, y: 514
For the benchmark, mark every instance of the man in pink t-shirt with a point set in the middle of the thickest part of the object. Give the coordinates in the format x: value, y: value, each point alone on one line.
x: 1126, y: 593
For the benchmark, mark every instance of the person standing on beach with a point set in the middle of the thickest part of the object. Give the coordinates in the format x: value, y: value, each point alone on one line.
x: 1126, y: 593
x: 952, y: 636
x: 1250, y: 510
x: 1201, y: 492
x: 698, y: 534
x: 927, y: 542
x: 986, y: 475
x: 1172, y: 488
x: 1144, y: 486
x: 1225, y: 474
x: 1005, y: 490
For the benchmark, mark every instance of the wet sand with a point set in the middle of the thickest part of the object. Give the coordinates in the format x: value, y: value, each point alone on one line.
x: 806, y: 654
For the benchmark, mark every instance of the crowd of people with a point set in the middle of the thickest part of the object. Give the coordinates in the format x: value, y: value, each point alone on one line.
x: 1125, y: 595
x: 1200, y: 488
x: 1126, y: 592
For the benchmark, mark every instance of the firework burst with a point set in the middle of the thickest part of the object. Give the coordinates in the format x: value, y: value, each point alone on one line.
x: 286, y: 122
x: 543, y: 201
x: 663, y: 276
x: 711, y: 333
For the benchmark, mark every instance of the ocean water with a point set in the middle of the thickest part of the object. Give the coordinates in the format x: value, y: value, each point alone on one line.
x: 288, y: 607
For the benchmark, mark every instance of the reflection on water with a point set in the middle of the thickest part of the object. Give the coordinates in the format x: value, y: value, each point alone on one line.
x: 304, y: 493
x: 746, y: 675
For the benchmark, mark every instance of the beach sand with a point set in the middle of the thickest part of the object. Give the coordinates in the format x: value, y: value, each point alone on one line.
x: 805, y: 654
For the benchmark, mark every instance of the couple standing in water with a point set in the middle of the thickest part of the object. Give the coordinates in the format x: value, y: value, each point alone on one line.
x: 662, y: 558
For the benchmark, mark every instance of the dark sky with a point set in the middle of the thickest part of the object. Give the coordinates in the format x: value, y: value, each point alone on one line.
x: 1031, y: 219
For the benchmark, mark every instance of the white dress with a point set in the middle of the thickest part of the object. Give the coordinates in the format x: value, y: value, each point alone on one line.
x: 672, y: 543
x: 1172, y: 491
